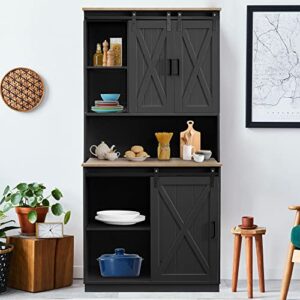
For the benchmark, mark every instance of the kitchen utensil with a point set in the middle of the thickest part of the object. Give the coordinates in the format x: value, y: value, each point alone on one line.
x: 198, y: 157
x: 138, y: 219
x: 101, y: 150
x: 190, y: 137
x: 207, y: 154
x: 110, y: 97
x: 112, y: 155
x: 118, y: 214
x: 187, y: 152
x: 120, y: 264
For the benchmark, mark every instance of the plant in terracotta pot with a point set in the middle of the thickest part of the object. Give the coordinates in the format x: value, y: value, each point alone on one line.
x: 31, y: 205
x: 5, y: 251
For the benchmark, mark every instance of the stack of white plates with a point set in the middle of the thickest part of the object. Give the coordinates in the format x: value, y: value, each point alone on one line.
x: 119, y: 217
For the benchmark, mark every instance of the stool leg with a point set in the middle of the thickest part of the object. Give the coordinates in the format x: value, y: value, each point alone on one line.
x: 260, y: 262
x: 249, y: 267
x: 287, y: 274
x: 236, y: 260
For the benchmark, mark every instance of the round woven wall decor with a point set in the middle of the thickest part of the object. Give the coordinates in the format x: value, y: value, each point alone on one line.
x: 22, y: 89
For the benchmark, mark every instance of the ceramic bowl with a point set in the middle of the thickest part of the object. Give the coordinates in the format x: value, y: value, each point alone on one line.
x: 207, y: 153
x: 198, y: 157
x: 118, y: 214
x: 138, y: 159
x: 110, y: 97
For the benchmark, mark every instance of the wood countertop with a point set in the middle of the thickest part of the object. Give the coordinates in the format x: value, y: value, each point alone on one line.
x: 150, y: 162
x: 151, y: 9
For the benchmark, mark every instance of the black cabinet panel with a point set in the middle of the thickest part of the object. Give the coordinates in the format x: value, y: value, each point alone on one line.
x: 197, y: 86
x: 150, y: 86
x: 174, y: 70
x: 185, y: 222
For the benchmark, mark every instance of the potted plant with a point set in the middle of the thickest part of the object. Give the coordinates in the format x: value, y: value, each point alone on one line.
x: 5, y: 251
x: 31, y: 205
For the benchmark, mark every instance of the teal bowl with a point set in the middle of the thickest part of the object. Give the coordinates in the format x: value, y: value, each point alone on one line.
x: 110, y: 97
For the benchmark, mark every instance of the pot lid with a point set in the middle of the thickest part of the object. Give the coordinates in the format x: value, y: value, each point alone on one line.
x: 119, y: 254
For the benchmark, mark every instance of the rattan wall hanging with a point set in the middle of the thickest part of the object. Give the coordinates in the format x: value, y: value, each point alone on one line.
x: 22, y: 89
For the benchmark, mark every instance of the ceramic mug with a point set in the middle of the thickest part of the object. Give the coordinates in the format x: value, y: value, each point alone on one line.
x: 187, y: 152
x: 247, y: 221
x: 198, y: 157
x: 112, y: 155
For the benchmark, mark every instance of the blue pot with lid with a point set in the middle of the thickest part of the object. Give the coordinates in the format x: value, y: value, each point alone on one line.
x: 120, y: 264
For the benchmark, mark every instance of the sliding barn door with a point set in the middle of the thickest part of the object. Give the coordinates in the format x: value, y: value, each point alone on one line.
x: 184, y: 235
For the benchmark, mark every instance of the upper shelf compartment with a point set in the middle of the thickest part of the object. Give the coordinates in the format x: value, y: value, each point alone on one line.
x: 98, y: 32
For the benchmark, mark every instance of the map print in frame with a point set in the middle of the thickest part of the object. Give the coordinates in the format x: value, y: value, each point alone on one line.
x: 273, y: 66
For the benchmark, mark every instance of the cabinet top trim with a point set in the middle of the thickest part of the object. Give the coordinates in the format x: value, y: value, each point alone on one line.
x: 150, y: 162
x: 151, y: 9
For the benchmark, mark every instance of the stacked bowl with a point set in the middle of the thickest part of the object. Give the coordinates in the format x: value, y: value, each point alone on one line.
x: 108, y: 104
x: 119, y: 217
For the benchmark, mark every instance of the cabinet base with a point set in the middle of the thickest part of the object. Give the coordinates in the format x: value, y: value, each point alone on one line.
x: 152, y: 288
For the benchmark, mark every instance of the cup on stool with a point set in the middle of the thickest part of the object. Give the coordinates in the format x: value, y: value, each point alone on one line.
x: 247, y: 222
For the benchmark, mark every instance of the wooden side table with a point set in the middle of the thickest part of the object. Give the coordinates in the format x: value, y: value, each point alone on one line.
x: 248, y: 234
x: 41, y: 264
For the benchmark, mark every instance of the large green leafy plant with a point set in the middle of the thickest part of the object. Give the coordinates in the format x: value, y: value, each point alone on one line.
x: 32, y: 195
x: 4, y: 227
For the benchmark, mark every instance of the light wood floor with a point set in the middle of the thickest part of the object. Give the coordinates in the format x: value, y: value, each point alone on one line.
x: 77, y: 292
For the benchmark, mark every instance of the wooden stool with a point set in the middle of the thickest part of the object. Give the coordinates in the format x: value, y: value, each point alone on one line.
x: 248, y: 234
x: 41, y: 264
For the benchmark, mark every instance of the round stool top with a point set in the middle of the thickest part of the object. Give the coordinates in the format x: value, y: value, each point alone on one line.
x: 256, y: 231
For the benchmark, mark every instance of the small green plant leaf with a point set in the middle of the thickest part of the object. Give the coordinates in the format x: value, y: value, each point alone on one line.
x: 6, y: 207
x: 2, y: 215
x: 67, y: 217
x: 8, y: 197
x: 32, y: 216
x: 57, y: 209
x: 45, y: 202
x: 6, y: 190
x: 2, y: 235
x: 56, y: 193
x: 16, y: 198
x: 32, y: 201
x: 2, y: 200
x: 28, y: 193
x: 10, y: 221
x: 38, y: 192
x: 22, y: 186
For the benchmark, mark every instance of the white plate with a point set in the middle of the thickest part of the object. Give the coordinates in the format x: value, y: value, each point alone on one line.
x: 142, y: 158
x: 118, y: 215
x: 138, y: 219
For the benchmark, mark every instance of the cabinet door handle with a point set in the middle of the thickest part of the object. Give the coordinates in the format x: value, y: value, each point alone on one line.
x: 212, y: 229
x: 175, y: 67
x: 170, y: 66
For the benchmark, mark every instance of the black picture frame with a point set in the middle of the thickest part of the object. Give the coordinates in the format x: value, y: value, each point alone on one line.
x: 251, y: 9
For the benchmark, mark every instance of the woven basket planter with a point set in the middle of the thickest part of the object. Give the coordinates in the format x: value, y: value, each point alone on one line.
x: 4, y: 266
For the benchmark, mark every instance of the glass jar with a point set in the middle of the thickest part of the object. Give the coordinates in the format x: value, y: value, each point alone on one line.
x: 163, y: 151
x: 116, y: 46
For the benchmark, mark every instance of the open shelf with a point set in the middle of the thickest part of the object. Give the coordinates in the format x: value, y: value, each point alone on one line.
x: 105, y: 242
x: 94, y: 277
x: 104, y: 227
x: 150, y: 162
x: 106, y: 68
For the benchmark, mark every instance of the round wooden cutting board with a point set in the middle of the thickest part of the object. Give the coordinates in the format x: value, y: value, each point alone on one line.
x: 22, y: 89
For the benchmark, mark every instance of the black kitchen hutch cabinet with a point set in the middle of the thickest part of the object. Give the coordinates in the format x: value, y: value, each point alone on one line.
x: 170, y: 74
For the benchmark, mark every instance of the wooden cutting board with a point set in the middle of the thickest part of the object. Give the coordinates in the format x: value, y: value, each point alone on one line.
x: 190, y: 137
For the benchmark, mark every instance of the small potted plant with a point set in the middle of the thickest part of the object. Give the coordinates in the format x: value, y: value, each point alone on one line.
x: 31, y: 205
x: 5, y: 251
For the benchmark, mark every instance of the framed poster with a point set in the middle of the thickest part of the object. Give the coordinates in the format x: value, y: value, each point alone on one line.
x: 273, y: 66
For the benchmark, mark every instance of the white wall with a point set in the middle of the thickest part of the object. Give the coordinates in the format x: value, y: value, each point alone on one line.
x: 261, y: 167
